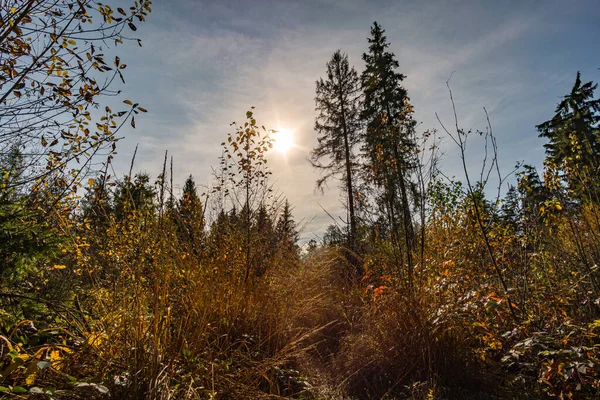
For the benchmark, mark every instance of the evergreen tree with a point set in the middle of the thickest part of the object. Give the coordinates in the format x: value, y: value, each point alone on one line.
x: 286, y: 231
x: 533, y: 192
x: 27, y: 234
x: 511, y: 214
x: 389, y: 140
x: 333, y: 236
x: 219, y: 230
x: 311, y: 247
x: 574, y: 139
x: 219, y: 227
x: 338, y: 125
x: 136, y: 195
x: 264, y: 240
x: 96, y: 204
x: 12, y: 166
x: 190, y: 217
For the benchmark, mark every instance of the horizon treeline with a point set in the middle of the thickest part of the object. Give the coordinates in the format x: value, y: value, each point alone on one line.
x: 429, y: 289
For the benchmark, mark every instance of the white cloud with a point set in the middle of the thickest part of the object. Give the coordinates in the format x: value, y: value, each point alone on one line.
x: 205, y: 63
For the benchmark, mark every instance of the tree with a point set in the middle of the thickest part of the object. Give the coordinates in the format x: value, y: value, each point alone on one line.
x: 389, y: 142
x: 574, y: 140
x: 338, y: 124
x: 96, y: 204
x: 130, y: 196
x: 53, y: 73
x: 190, y: 217
x: 248, y: 174
x: 264, y: 240
x: 333, y: 236
x: 286, y: 231
x: 24, y: 238
x: 533, y: 192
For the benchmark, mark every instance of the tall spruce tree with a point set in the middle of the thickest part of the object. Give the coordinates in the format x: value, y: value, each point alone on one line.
x: 286, y: 231
x: 133, y: 195
x: 574, y: 139
x: 338, y: 125
x: 96, y: 204
x: 24, y: 239
x: 389, y: 143
x: 190, y: 218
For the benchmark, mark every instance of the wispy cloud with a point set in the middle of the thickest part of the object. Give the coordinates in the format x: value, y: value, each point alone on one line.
x: 204, y: 63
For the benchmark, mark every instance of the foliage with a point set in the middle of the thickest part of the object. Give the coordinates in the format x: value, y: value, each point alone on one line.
x: 54, y: 74
x: 248, y: 175
x: 121, y: 295
x: 25, y: 236
x: 574, y: 139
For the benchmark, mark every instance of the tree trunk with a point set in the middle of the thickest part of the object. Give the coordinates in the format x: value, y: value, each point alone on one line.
x: 349, y: 187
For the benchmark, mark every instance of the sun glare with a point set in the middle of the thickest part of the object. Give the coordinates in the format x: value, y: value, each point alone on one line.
x: 283, y: 140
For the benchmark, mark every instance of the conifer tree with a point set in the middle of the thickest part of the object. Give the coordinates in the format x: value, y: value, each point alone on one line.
x: 389, y: 142
x: 264, y: 240
x: 136, y: 195
x: 190, y: 215
x: 286, y: 230
x: 333, y: 236
x: 24, y: 239
x: 96, y: 204
x: 574, y: 139
x: 338, y: 125
x: 312, y: 246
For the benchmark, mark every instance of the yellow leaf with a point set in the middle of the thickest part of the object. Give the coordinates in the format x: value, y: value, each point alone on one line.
x: 59, y: 266
x: 31, y: 373
x: 96, y: 338
x: 127, y: 102
x: 91, y: 182
x: 55, y: 356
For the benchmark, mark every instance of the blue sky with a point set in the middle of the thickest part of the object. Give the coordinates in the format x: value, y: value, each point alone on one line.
x: 204, y: 63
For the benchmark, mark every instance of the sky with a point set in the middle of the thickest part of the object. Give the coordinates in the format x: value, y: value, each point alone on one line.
x: 204, y: 63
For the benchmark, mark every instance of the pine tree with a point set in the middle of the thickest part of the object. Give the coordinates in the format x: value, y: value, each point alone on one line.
x: 264, y: 240
x: 136, y: 195
x: 312, y: 246
x: 286, y: 231
x: 574, y: 139
x: 25, y: 239
x: 190, y: 217
x: 96, y: 204
x: 338, y: 125
x: 333, y: 236
x: 389, y: 143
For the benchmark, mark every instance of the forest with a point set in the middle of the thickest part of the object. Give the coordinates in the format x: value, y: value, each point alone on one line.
x: 484, y: 286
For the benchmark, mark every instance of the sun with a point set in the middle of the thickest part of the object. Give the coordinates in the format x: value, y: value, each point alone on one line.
x: 283, y: 140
